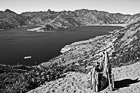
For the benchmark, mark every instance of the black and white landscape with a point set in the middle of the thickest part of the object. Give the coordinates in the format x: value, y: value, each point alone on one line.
x: 50, y: 51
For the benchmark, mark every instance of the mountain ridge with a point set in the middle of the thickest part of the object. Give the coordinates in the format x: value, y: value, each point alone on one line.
x: 64, y: 19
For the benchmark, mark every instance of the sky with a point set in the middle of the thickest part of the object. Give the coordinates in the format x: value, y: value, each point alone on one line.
x: 112, y: 6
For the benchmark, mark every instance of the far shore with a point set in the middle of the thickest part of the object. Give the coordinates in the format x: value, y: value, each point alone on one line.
x: 38, y: 29
x: 123, y: 25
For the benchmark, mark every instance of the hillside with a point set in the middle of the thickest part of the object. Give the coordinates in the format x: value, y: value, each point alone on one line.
x: 134, y: 18
x: 127, y: 80
x: 64, y: 19
x: 77, y: 60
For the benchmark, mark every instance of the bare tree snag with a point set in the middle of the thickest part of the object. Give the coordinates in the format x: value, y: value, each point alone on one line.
x: 101, y: 75
x: 94, y: 80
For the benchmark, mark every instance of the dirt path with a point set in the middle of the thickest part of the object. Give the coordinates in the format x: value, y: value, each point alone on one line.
x: 127, y: 80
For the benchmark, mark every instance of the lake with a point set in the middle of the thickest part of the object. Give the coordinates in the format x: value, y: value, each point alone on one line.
x: 17, y: 43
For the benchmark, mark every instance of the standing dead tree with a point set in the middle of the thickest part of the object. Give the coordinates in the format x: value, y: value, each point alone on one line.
x: 101, y: 75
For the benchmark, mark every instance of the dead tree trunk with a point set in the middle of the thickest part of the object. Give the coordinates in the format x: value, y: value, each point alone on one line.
x: 94, y: 80
x: 108, y: 71
x: 102, y: 73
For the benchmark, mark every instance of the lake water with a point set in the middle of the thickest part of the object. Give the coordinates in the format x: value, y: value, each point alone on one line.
x: 17, y: 43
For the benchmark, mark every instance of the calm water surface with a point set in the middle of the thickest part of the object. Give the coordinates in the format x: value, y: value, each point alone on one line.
x: 17, y: 43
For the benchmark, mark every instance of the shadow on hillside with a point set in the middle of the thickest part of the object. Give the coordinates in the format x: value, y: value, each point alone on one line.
x: 124, y: 83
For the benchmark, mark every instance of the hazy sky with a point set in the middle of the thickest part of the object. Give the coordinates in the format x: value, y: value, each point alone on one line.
x: 113, y: 6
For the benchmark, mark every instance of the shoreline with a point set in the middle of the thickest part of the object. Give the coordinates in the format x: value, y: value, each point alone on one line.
x: 123, y: 25
x: 68, y: 48
x: 64, y: 48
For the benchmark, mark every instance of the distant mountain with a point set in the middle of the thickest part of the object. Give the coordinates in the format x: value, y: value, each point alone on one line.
x: 92, y: 17
x: 9, y: 19
x: 76, y: 18
x: 64, y: 19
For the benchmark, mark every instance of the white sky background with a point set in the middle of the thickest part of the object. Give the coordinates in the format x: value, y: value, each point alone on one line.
x: 112, y: 6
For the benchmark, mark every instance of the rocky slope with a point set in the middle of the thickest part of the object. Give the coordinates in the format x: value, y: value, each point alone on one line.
x: 64, y: 19
x: 134, y: 18
x: 127, y: 80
